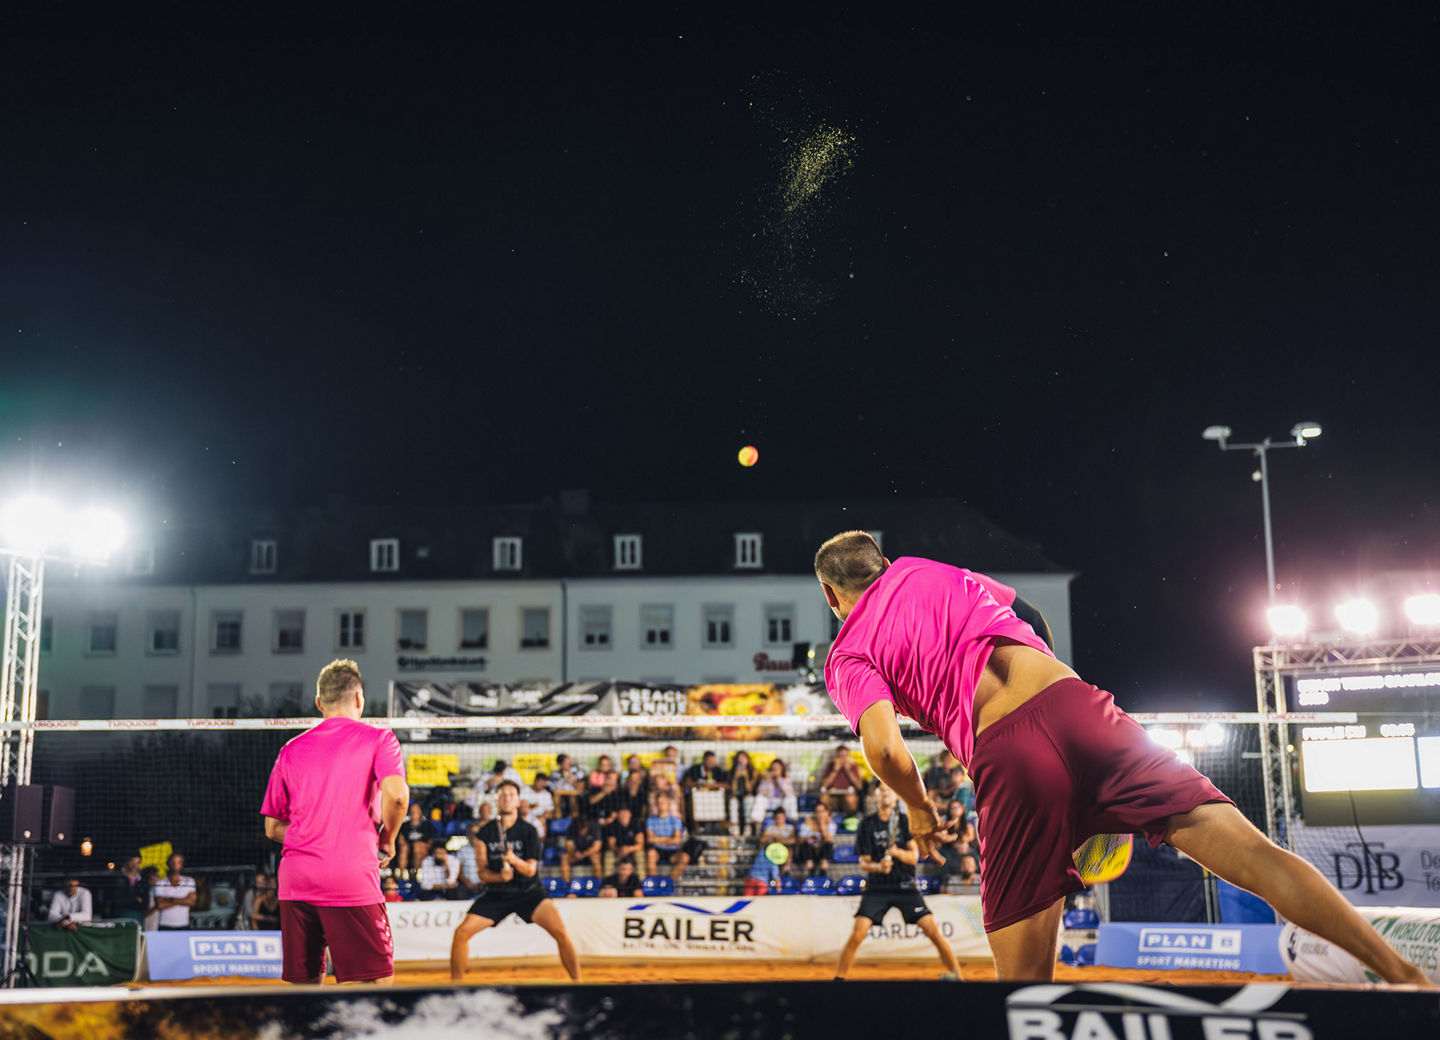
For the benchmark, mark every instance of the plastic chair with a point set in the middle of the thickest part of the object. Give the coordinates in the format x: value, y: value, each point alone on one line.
x: 850, y: 885
x: 845, y: 852
x: 584, y: 887
x: 807, y: 802
x: 927, y: 885
x: 555, y: 886
x: 1085, y: 956
x: 558, y: 826
x: 1082, y: 920
x: 789, y: 886
x: 658, y: 885
x: 550, y: 856
x: 817, y: 886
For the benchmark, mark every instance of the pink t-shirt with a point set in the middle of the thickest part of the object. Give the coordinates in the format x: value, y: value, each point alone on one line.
x: 326, y: 785
x: 920, y: 636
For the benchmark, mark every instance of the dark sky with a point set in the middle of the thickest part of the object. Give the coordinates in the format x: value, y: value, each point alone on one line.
x: 1027, y: 258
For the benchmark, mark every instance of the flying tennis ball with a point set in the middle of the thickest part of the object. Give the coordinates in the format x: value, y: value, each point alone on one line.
x: 749, y: 455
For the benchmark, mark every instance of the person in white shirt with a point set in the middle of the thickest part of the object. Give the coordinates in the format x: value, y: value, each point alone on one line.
x: 439, y: 874
x: 174, y: 895
x: 71, y: 905
x: 541, y: 802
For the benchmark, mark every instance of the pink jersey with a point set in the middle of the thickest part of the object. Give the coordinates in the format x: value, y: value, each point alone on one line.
x: 920, y: 636
x: 326, y: 785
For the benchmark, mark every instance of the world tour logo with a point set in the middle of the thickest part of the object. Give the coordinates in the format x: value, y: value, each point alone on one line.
x: 1067, y: 1012
x: 675, y: 923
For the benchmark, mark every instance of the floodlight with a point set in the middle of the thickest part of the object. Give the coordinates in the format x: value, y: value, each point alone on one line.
x: 1305, y: 431
x: 1214, y: 733
x: 1166, y: 737
x: 1216, y: 433
x: 29, y: 524
x: 1286, y: 620
x: 1358, y: 616
x: 96, y: 533
x: 1423, y: 609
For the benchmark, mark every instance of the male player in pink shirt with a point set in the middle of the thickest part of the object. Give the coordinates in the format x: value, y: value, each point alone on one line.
x: 1053, y: 760
x: 330, y: 788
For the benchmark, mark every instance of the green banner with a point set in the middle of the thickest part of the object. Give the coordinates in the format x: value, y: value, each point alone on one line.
x: 90, y: 955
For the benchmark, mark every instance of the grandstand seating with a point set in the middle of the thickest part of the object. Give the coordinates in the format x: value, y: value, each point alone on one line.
x: 585, y: 886
x: 555, y: 887
x: 817, y: 886
x: 845, y: 852
x: 657, y: 885
x: 850, y: 885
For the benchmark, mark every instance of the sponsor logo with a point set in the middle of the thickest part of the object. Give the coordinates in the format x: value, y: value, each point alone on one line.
x: 765, y: 663
x: 683, y: 925
x: 1066, y: 1012
x: 133, y: 724
x: 212, y: 723
x: 1370, y: 865
x: 265, y: 947
x: 1210, y: 940
x: 442, y: 917
x: 576, y: 698
x: 62, y: 964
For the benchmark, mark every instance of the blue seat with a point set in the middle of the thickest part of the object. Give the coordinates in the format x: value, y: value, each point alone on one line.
x: 558, y: 826
x: 807, y: 802
x: 817, y: 886
x: 407, y: 889
x: 1067, y: 955
x: 850, y: 885
x: 456, y: 827
x: 554, y: 886
x: 584, y: 886
x: 1082, y: 920
x: 845, y: 852
x: 1085, y: 956
x: 658, y: 885
x: 788, y: 885
x: 550, y: 856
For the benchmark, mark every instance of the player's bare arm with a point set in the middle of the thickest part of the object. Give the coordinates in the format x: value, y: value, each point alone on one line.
x: 892, y: 762
x: 907, y: 853
x: 275, y: 829
x: 394, y: 801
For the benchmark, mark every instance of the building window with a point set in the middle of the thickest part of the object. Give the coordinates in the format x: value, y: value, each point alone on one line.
x: 384, y: 554
x: 163, y: 635
x: 719, y: 624
x: 779, y: 624
x: 289, y: 631
x: 223, y: 700
x: 262, y: 556
x: 350, y: 629
x: 284, y: 701
x: 656, y: 624
x: 627, y: 552
x: 47, y: 634
x: 507, y: 554
x: 160, y: 702
x: 225, y: 631
x: 747, y: 550
x: 474, y: 628
x: 595, y: 628
x: 534, y: 628
x: 96, y: 702
x: 102, y: 639
x: 142, y: 560
x: 413, y: 629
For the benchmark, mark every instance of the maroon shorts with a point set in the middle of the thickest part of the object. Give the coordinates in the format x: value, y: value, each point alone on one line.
x: 1065, y: 765
x: 358, y: 937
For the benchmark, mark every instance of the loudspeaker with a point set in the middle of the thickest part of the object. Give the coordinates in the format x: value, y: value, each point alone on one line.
x: 22, y: 810
x: 60, y: 815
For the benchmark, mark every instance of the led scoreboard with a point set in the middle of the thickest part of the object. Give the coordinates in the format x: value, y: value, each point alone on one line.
x: 1385, y: 767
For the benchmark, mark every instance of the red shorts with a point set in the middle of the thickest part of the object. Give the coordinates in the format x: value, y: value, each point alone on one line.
x: 1065, y: 765
x: 358, y: 937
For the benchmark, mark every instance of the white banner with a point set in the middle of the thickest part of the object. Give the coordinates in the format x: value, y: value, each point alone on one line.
x: 777, y: 928
x: 1414, y: 934
x: 1393, y: 866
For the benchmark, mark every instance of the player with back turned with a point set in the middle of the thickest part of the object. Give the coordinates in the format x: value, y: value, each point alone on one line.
x: 1053, y: 760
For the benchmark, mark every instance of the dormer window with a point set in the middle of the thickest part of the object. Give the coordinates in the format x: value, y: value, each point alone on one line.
x: 627, y: 552
x: 507, y: 554
x: 384, y: 554
x: 747, y: 550
x: 262, y: 556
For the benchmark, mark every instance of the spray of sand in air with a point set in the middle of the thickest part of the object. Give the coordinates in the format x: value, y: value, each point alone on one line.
x: 796, y: 257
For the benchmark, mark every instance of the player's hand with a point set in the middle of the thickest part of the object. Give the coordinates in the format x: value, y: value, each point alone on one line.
x: 887, y: 864
x: 507, y: 873
x: 386, y: 852
x: 928, y: 831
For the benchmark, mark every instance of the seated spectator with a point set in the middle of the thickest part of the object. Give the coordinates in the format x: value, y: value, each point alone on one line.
x: 665, y: 767
x: 816, y: 846
x: 840, y: 783
x: 940, y: 777
x: 597, y: 775
x: 263, y: 914
x: 583, y: 842
x: 962, y: 856
x: 705, y: 775
x: 624, y: 882
x: 127, y: 893
x: 469, y: 856
x: 439, y: 875
x: 667, y: 841
x: 413, y: 842
x: 486, y: 813
x: 661, y: 785
x: 744, y: 782
x: 502, y: 771
x: 964, y: 789
x: 775, y: 790
x: 632, y: 763
x: 779, y: 829
x: 71, y: 905
x: 635, y: 793
x: 624, y: 838
x: 603, y: 802
x: 566, y: 782
x: 390, y: 890
x: 540, y: 800
x: 764, y: 876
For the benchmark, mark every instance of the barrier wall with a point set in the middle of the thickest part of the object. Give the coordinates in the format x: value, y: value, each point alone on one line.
x: 1414, y: 933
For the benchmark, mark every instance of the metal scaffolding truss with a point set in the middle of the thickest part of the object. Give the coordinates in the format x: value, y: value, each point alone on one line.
x: 1274, y: 664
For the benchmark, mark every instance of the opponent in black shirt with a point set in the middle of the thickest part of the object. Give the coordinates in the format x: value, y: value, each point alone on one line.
x: 888, y: 856
x: 511, y: 876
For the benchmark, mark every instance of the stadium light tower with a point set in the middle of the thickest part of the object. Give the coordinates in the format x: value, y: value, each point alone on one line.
x: 33, y: 530
x: 1300, y: 434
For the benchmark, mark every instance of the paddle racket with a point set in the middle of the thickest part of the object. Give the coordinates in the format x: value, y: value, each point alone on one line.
x: 1104, y: 857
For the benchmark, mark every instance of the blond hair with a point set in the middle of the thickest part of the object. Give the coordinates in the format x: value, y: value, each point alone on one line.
x: 849, y: 562
x: 336, y: 679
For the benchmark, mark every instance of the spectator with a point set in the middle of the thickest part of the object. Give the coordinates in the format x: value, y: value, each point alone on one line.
x: 486, y: 813
x: 632, y: 763
x: 816, y: 846
x: 940, y: 777
x: 174, y: 895
x: 661, y: 785
x: 440, y: 875
x: 962, y: 858
x: 624, y: 882
x: 666, y: 840
x: 603, y: 802
x: 413, y: 842
x: 964, y: 789
x: 247, y: 901
x: 263, y: 914
x: 666, y: 765
x: 566, y: 782
x: 744, y: 782
x: 149, y: 878
x: 635, y: 794
x: 764, y: 875
x: 705, y: 775
x: 583, y: 841
x: 623, y: 838
x: 779, y: 829
x: 775, y: 790
x: 128, y: 893
x: 541, y: 802
x: 71, y: 905
x: 469, y: 857
x: 503, y: 771
x: 840, y: 783
x: 597, y: 775
x: 390, y: 890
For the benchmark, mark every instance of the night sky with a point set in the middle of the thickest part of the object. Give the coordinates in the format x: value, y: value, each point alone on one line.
x: 1020, y: 259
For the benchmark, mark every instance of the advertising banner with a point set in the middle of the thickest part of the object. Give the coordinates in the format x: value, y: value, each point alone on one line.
x: 193, y: 955
x: 1204, y: 947
x: 708, y: 927
x: 1386, y: 866
x: 1414, y: 934
x: 422, y: 932
x: 422, y: 699
x: 957, y: 917
x: 88, y: 955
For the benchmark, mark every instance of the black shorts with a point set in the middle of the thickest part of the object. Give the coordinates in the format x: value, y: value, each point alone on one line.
x: 875, y: 905
x: 495, y: 906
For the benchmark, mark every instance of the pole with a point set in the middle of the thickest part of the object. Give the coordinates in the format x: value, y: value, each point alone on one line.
x: 1261, y: 450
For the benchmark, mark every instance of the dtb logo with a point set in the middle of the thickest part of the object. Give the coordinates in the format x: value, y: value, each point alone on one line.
x: 1368, y: 864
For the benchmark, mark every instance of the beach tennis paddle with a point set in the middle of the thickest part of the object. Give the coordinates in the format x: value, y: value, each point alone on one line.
x: 1104, y: 857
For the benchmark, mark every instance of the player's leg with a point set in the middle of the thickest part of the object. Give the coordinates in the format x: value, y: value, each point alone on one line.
x: 548, y: 917
x: 931, y: 931
x: 361, y: 947
x: 467, y: 929
x: 858, y: 932
x: 302, y: 943
x: 1026, y: 950
x: 1223, y: 841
